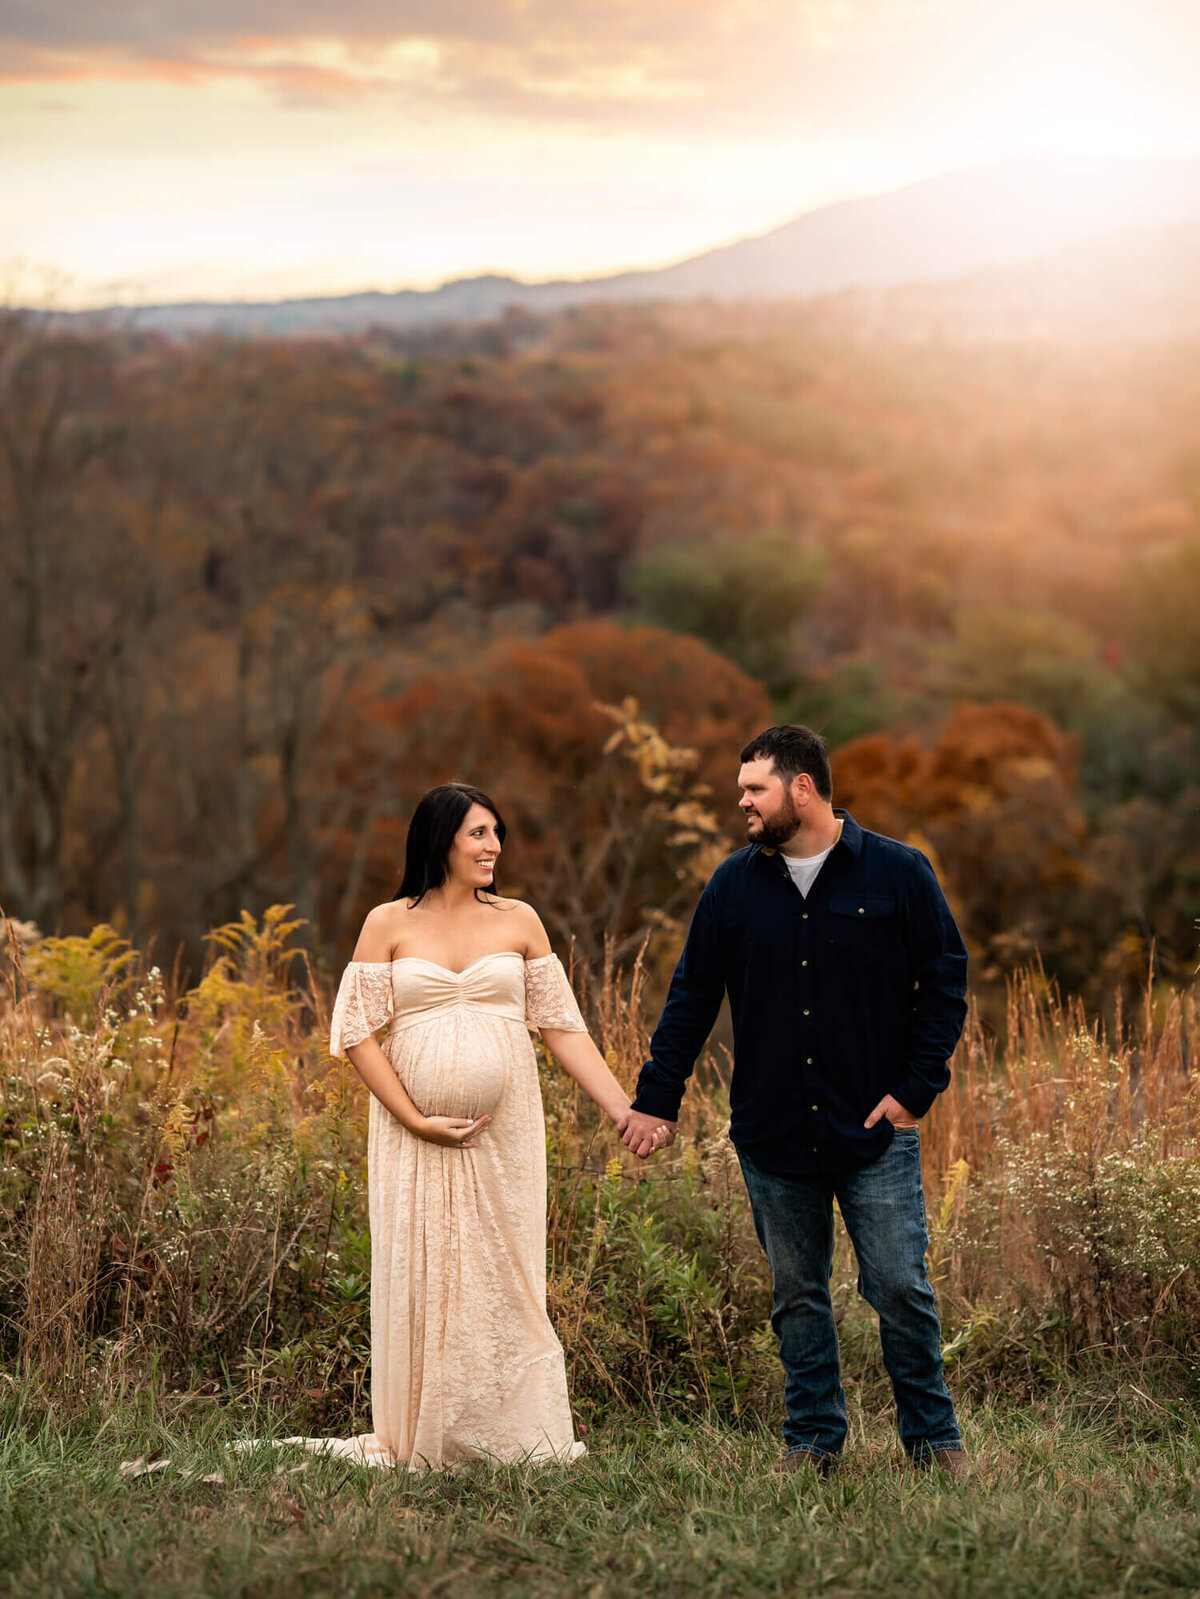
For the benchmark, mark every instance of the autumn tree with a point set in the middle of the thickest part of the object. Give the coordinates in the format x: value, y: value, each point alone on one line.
x: 992, y: 798
x: 534, y: 724
x: 561, y: 538
x: 742, y: 596
x: 65, y: 617
x: 226, y: 565
x: 1164, y: 638
x: 1057, y: 667
x: 279, y: 625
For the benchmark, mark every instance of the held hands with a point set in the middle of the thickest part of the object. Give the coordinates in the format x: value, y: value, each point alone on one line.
x: 894, y: 1111
x: 454, y: 1132
x: 644, y: 1134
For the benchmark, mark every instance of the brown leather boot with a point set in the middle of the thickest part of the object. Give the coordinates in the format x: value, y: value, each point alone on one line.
x: 952, y: 1463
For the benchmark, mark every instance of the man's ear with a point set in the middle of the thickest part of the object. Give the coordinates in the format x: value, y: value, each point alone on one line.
x: 803, y: 788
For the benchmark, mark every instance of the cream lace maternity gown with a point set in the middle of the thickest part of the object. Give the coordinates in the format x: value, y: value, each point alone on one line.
x: 464, y: 1361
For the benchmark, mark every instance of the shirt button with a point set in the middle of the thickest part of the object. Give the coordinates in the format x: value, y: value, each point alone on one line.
x: 862, y: 910
x: 816, y: 1107
x: 806, y: 1013
x: 804, y: 963
x: 803, y: 916
x: 814, y: 1149
x: 809, y: 1061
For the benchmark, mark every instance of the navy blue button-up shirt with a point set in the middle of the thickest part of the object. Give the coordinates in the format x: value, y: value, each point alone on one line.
x: 857, y: 991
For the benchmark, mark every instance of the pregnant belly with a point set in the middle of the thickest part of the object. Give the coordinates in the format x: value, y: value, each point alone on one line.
x: 461, y: 1083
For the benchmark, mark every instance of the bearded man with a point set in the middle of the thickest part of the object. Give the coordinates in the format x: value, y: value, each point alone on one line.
x: 846, y: 978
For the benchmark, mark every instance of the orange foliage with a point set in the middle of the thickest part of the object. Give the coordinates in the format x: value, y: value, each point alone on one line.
x: 524, y: 720
x: 181, y: 741
x: 993, y: 801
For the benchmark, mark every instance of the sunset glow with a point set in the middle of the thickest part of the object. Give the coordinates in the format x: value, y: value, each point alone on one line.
x: 258, y: 154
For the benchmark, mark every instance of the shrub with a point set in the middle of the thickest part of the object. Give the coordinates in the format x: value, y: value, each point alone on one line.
x: 183, y: 1199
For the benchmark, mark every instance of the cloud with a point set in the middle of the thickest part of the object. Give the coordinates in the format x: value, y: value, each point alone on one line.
x: 167, y: 30
x: 726, y: 68
x: 662, y: 59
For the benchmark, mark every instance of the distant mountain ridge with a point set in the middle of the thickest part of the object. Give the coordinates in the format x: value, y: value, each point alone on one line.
x: 1141, y: 285
x: 982, y: 218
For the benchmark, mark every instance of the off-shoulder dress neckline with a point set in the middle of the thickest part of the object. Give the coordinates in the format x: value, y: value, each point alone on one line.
x: 496, y: 954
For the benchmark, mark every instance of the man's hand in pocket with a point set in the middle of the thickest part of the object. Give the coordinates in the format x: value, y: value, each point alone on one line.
x: 894, y: 1111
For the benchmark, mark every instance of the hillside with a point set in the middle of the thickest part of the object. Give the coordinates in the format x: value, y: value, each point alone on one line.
x: 1139, y: 286
x: 939, y: 228
x: 308, y: 577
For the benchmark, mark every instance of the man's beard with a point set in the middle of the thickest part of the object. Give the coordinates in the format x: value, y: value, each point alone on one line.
x: 783, y: 829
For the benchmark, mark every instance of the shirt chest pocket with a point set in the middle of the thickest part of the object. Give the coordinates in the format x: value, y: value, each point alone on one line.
x: 867, y: 923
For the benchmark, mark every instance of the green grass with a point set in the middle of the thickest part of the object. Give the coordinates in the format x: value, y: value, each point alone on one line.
x: 1093, y: 1498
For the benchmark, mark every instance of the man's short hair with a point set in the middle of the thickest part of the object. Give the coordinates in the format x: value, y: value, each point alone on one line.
x: 793, y: 750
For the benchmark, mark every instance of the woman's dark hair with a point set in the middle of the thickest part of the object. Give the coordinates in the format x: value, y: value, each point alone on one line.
x: 436, y: 820
x: 792, y: 750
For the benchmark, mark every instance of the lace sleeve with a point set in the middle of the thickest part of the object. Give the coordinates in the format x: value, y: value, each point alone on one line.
x: 549, y: 1001
x: 363, y: 1004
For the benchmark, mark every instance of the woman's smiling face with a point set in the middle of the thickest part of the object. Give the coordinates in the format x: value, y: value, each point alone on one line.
x: 475, y: 850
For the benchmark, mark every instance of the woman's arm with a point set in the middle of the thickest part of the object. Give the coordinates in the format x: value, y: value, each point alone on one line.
x: 581, y: 1060
x: 575, y: 1052
x: 376, y: 1070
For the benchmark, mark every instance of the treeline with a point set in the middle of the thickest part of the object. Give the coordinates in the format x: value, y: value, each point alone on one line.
x: 256, y: 597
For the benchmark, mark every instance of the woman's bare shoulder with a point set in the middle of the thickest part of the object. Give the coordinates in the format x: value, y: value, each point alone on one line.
x: 381, y: 930
x: 388, y: 914
x: 519, y: 908
x: 527, y: 926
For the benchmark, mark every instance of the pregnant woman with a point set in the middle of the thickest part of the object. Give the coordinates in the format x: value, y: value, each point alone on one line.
x: 464, y: 1361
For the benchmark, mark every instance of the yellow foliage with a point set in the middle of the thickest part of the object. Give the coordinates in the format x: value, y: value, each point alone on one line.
x: 79, y: 972
x: 246, y: 992
x: 259, y: 952
x: 663, y: 770
x: 953, y: 1180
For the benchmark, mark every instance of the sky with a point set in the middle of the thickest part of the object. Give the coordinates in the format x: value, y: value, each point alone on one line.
x: 261, y: 149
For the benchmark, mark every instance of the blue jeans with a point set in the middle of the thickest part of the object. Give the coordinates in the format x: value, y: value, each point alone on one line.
x: 883, y: 1206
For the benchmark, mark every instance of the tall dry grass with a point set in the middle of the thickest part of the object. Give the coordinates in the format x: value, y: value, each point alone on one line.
x: 172, y: 1160
x: 183, y: 1195
x: 1063, y: 1166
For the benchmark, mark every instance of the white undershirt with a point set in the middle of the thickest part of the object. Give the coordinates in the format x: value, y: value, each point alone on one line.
x: 803, y: 869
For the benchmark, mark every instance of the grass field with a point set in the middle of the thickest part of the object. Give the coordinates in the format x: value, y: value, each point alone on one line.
x: 1097, y: 1495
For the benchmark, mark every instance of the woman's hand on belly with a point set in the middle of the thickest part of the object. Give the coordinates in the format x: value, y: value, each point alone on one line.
x: 452, y: 1132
